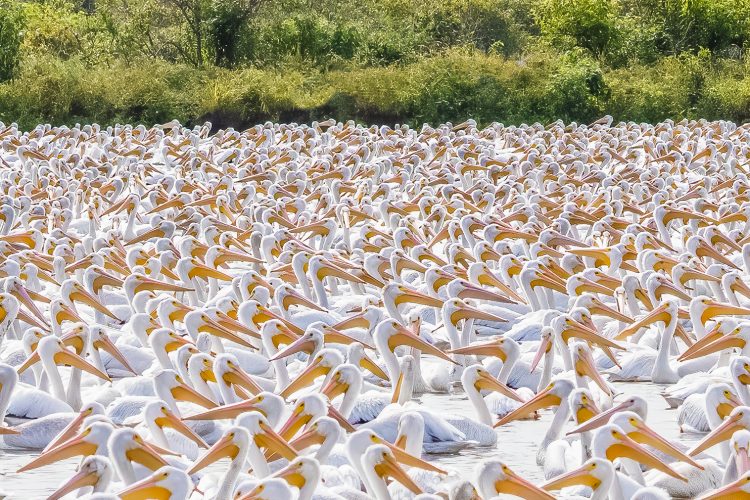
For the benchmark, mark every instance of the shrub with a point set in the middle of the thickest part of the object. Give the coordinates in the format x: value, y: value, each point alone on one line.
x: 50, y: 90
x: 459, y: 84
x: 577, y: 91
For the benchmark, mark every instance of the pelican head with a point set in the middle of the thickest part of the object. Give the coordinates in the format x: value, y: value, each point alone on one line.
x: 737, y: 489
x: 379, y: 463
x: 553, y: 395
x: 92, y: 440
x: 95, y: 471
x: 611, y: 442
x: 595, y: 473
x: 323, y: 362
x: 494, y: 478
x: 166, y: 483
x: 263, y: 434
x: 267, y: 403
x: 737, y: 420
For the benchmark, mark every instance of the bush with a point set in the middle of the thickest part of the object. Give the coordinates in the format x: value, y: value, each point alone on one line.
x: 577, y: 91
x: 457, y: 85
x: 254, y: 95
x: 50, y: 90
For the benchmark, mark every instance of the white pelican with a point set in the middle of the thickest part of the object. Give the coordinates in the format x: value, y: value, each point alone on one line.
x: 92, y: 440
x: 476, y: 378
x: 51, y: 351
x: 170, y: 432
x: 234, y: 444
x: 378, y: 463
x: 94, y: 474
x: 166, y: 482
x: 556, y: 394
x: 128, y: 450
x: 735, y: 489
x: 596, y: 473
x: 642, y: 364
x: 494, y: 478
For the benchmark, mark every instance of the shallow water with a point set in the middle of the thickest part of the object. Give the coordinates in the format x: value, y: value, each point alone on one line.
x: 517, y: 444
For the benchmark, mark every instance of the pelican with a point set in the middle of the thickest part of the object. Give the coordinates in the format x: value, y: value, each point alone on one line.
x: 596, y: 473
x: 735, y: 489
x: 235, y: 444
x: 94, y: 475
x: 167, y: 481
x: 556, y: 394
x: 474, y: 379
x: 662, y: 369
x: 378, y: 463
x: 495, y: 478
x: 92, y: 440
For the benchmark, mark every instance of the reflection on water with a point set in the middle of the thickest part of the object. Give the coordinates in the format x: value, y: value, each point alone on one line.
x: 517, y: 444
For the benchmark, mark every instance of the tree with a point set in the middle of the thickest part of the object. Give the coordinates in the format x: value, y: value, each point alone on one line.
x: 11, y: 34
x: 218, y: 21
x: 193, y: 12
x: 590, y: 24
x: 225, y: 27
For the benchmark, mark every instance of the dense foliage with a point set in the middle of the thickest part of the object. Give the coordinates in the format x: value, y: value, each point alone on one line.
x: 236, y: 62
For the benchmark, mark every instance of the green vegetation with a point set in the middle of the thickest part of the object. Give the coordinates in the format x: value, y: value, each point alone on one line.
x: 237, y: 62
